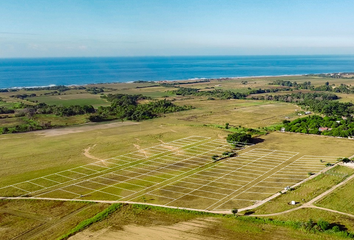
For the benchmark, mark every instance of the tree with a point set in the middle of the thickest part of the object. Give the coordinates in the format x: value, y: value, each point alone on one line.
x: 226, y: 125
x: 336, y: 229
x: 324, y: 225
x: 239, y: 137
x: 234, y: 211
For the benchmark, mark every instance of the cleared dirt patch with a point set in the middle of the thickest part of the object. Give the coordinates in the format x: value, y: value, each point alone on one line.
x: 84, y: 128
x: 183, y: 230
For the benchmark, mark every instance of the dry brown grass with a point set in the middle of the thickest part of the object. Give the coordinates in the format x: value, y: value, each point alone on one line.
x: 32, y: 219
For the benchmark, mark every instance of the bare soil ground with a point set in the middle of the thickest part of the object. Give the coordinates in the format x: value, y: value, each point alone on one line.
x: 183, y: 230
x: 83, y: 128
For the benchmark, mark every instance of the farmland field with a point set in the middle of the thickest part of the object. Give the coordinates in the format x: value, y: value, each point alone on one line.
x: 180, y: 174
x: 341, y: 199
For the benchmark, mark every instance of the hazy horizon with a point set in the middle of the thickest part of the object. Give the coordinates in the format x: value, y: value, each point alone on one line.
x: 186, y: 56
x: 109, y: 28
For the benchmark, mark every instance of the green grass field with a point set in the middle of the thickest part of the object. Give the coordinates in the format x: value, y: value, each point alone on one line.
x: 340, y: 200
x: 306, y: 191
x: 72, y: 99
x: 178, y: 175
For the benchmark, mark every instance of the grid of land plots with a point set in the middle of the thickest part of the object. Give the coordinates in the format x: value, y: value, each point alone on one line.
x: 72, y: 176
x: 223, y: 185
x: 180, y: 173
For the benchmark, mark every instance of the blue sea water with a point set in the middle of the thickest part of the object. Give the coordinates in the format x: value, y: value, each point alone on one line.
x: 80, y: 71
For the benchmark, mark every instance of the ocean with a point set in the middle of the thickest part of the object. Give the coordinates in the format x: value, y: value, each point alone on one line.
x: 80, y: 71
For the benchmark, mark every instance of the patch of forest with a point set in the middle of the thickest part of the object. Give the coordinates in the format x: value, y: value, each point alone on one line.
x: 342, y: 88
x: 123, y: 107
x: 127, y: 107
x: 329, y: 126
x: 216, y: 93
x: 317, y: 102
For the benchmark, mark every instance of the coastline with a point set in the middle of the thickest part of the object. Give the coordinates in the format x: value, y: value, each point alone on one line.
x: 39, y: 72
x: 165, y: 81
x: 177, y: 80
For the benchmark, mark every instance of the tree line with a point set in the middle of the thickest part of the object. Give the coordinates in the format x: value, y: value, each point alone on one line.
x: 317, y: 102
x: 218, y: 93
x: 329, y: 126
x: 342, y: 88
x: 298, y: 97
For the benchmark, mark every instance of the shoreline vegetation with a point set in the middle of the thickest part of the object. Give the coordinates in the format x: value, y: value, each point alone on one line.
x: 198, y: 79
x: 25, y: 110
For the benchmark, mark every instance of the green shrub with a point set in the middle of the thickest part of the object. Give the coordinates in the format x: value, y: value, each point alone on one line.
x: 98, y: 217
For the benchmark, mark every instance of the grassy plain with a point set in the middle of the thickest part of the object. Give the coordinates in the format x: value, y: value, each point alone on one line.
x: 72, y: 99
x: 137, y: 222
x: 29, y: 155
x: 306, y: 191
x: 31, y: 219
x: 341, y: 199
x: 305, y: 214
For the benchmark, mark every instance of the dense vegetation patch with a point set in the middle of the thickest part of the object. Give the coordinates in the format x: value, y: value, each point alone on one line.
x: 86, y: 223
x: 318, y: 102
x: 342, y: 88
x: 127, y: 107
x: 217, y: 93
x: 298, y: 97
x: 123, y: 107
x: 329, y: 126
x: 223, y: 94
x: 239, y: 137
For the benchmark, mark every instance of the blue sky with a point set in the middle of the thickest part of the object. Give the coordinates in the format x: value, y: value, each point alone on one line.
x: 46, y: 28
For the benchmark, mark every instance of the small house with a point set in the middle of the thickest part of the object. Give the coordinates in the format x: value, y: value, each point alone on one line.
x: 282, y: 129
x: 321, y: 129
x: 307, y: 112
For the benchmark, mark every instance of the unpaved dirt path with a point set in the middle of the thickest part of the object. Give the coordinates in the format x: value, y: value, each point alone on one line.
x: 331, y: 210
x: 82, y: 128
x: 88, y: 155
x: 329, y: 191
